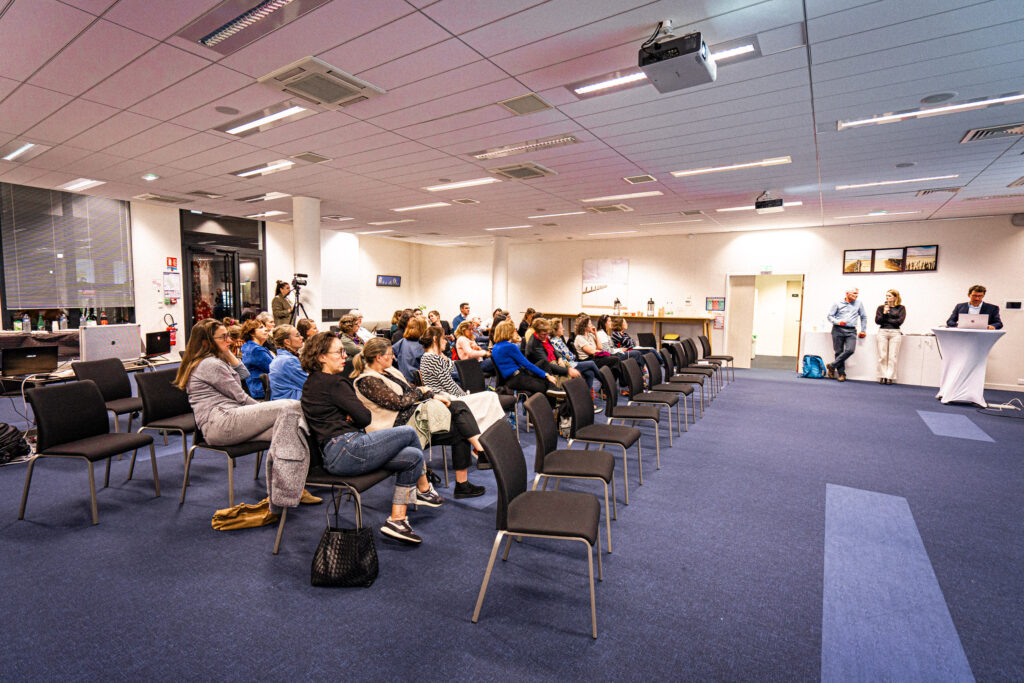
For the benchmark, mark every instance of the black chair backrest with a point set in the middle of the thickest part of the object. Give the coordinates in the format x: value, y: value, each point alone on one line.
x: 471, y: 377
x: 417, y: 378
x: 316, y: 456
x: 509, y: 464
x: 647, y: 339
x: 539, y: 410
x: 634, y: 377
x: 680, y: 355
x: 705, y: 345
x: 653, y: 368
x: 580, y: 403
x: 668, y: 360
x: 160, y: 398
x: 265, y: 381
x: 611, y: 388
x: 691, y: 348
x: 108, y: 374
x: 68, y: 412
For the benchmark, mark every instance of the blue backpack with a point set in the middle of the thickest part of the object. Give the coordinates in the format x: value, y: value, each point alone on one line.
x: 814, y: 367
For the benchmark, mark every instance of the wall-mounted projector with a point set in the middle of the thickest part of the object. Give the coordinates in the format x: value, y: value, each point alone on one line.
x: 676, y: 63
x: 765, y: 204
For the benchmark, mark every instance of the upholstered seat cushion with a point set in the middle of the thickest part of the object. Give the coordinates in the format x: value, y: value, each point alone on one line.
x: 360, y: 482
x: 120, y: 406
x: 668, y: 397
x: 101, y: 446
x: 507, y: 401
x: 708, y: 371
x: 677, y: 387
x: 185, y: 423
x: 636, y: 412
x: 580, y: 463
x: 718, y: 357
x: 236, y: 450
x: 686, y: 377
x: 617, y: 434
x: 555, y: 513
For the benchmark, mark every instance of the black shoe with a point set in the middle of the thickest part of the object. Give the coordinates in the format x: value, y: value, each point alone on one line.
x: 467, y: 489
x: 401, y: 530
x: 481, y: 461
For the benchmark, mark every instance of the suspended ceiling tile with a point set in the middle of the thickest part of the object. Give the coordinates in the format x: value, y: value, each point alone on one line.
x: 159, y: 68
x: 27, y: 106
x: 200, y: 142
x: 462, y: 101
x: 33, y: 32
x: 77, y: 116
x: 443, y: 56
x: 59, y: 157
x: 148, y: 140
x: 246, y: 100
x: 119, y: 127
x: 142, y: 16
x: 459, y: 16
x: 191, y: 92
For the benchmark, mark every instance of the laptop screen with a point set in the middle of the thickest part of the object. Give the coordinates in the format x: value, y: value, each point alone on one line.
x: 28, y: 360
x: 972, y: 321
x: 158, y: 343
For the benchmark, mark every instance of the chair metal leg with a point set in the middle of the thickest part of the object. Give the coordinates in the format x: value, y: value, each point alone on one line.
x: 615, y: 504
x: 607, y: 517
x: 165, y: 436
x: 508, y: 547
x: 106, y: 475
x: 28, y: 482
x: 536, y: 480
x: 444, y: 460
x: 657, y: 443
x: 152, y: 459
x: 259, y: 459
x: 231, y: 482
x: 184, y: 481
x: 590, y: 575
x: 487, y: 576
x: 280, y: 530
x: 131, y: 466
x: 639, y: 460
x: 92, y: 494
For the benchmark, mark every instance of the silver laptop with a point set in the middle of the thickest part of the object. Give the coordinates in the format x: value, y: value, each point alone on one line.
x: 972, y: 321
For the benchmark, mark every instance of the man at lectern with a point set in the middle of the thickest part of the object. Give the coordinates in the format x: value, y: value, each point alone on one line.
x: 975, y: 306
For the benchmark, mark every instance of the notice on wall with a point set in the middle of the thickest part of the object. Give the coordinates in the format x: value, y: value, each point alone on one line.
x: 719, y: 322
x: 172, y: 286
x: 714, y: 303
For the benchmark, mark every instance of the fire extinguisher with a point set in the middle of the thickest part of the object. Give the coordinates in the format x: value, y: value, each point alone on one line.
x: 172, y: 327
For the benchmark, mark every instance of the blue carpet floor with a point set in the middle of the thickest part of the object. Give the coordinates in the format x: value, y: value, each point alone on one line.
x: 718, y: 570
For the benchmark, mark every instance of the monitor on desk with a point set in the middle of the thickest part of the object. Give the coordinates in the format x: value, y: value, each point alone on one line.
x: 976, y: 321
x: 110, y: 341
x: 158, y: 343
x: 28, y: 360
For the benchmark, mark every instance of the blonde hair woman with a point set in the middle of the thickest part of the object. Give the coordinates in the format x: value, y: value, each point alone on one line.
x: 889, y: 317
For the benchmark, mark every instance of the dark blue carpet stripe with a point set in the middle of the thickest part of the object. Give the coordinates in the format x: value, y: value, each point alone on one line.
x: 958, y: 426
x: 883, y: 614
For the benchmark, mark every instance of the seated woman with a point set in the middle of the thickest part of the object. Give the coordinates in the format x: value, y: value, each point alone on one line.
x: 466, y: 348
x: 235, y: 334
x: 255, y: 355
x: 210, y: 374
x: 392, y: 402
x: 408, y: 350
x: 348, y: 325
x: 604, y: 339
x: 588, y: 348
x: 525, y: 323
x: 267, y: 319
x: 338, y: 419
x: 518, y: 373
x: 436, y: 369
x: 434, y: 320
x: 363, y: 335
x: 541, y: 352
x: 403, y: 320
x: 620, y: 337
x: 587, y: 368
x: 306, y: 327
x: 394, y: 321
x: 286, y: 373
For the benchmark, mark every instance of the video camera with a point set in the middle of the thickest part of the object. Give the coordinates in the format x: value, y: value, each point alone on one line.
x: 299, y: 280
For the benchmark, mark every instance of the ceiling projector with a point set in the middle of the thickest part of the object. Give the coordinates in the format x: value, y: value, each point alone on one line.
x: 765, y: 204
x: 676, y: 63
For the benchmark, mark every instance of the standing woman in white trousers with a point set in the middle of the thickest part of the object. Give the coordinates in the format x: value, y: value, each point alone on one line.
x: 889, y: 317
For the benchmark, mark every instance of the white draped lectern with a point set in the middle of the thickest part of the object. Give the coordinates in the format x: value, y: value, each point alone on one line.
x: 964, y: 357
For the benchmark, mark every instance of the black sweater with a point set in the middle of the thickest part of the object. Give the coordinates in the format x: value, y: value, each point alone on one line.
x: 331, y: 406
x: 891, y: 320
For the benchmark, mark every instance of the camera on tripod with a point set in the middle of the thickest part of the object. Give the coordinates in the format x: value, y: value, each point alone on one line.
x: 299, y: 280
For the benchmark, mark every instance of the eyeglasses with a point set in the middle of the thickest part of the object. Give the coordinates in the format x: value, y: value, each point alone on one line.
x: 331, y: 353
x: 221, y: 337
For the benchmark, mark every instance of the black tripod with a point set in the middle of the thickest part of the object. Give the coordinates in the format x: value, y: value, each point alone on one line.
x: 297, y: 307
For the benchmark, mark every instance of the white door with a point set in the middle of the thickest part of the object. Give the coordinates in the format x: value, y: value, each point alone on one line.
x: 791, y: 319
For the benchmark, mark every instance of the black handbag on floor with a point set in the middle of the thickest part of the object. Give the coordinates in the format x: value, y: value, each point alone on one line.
x: 344, y: 557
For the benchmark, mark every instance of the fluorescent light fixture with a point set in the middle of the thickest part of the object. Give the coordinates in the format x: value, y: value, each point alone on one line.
x: 339, y: 219
x: 290, y: 111
x: 528, y: 146
x: 751, y: 207
x: 932, y: 111
x: 374, y: 232
x: 266, y: 214
x: 272, y: 167
x: 195, y: 211
x: 615, y: 197
x: 243, y: 21
x: 896, y: 182
x: 80, y: 184
x: 774, y: 161
x: 150, y: 177
x: 732, y: 52
x: 689, y: 220
x: 462, y: 183
x: 611, y: 83
x: 552, y: 215
x: 265, y: 197
x: 878, y: 213
x: 617, y: 232
x: 422, y: 206
x: 18, y: 152
x: 510, y: 227
x: 404, y: 220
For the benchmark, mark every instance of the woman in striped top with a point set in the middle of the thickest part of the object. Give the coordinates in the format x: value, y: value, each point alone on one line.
x: 436, y: 372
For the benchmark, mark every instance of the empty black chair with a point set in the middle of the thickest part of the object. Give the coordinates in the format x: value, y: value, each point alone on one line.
x: 539, y: 514
x: 672, y: 374
x: 705, y: 345
x: 233, y: 451
x: 583, y: 429
x: 112, y: 379
x: 635, y: 393
x: 319, y: 476
x: 647, y: 413
x: 165, y: 407
x: 551, y: 462
x: 698, y: 362
x: 653, y: 366
x: 71, y: 422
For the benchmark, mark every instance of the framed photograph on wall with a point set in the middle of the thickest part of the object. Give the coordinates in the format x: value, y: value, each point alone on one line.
x: 921, y: 259
x: 888, y: 260
x: 857, y: 261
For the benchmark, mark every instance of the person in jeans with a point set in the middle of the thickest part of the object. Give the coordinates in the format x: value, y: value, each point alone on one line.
x: 210, y: 374
x: 338, y: 421
x: 845, y: 316
x: 889, y: 317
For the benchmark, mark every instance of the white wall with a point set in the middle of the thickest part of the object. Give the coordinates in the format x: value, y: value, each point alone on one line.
x: 450, y: 276
x: 385, y: 257
x: 339, y: 269
x: 156, y: 234
x: 280, y: 252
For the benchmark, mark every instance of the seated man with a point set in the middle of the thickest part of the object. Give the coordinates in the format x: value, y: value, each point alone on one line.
x: 975, y: 306
x: 463, y: 315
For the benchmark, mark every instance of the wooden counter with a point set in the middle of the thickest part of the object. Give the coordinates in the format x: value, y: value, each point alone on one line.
x: 644, y: 323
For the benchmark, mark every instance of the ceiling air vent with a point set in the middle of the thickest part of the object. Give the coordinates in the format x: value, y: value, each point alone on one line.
x: 609, y: 208
x: 206, y: 195
x: 311, y: 157
x: 400, y: 237
x: 1019, y: 195
x: 549, y: 225
x: 527, y: 171
x: 692, y: 212
x: 320, y: 83
x: 465, y: 201
x: 525, y: 104
x: 150, y: 197
x: 637, y: 179
x: 938, y: 190
x: 1008, y: 130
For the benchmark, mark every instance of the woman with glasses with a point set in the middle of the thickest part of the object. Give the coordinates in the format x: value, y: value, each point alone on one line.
x: 286, y: 373
x: 338, y: 421
x: 209, y: 373
x: 392, y: 401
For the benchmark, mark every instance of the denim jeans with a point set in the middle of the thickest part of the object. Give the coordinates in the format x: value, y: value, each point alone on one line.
x: 396, y: 450
x: 844, y: 343
x: 588, y: 369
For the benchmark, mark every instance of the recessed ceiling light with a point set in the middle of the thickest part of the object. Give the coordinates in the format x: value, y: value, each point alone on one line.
x: 230, y: 111
x: 872, y: 214
x: 195, y: 211
x: 932, y: 111
x: 150, y: 177
x: 617, y: 232
x: 552, y: 215
x: 751, y: 207
x: 404, y: 220
x: 616, y: 197
x: 510, y: 227
x: 374, y: 232
x: 462, y: 183
x: 270, y: 118
x: 264, y: 197
x: 527, y: 146
x: 267, y: 169
x: 688, y: 220
x: 243, y: 21
x: 732, y: 52
x: 612, y: 82
x: 896, y: 182
x: 80, y: 184
x: 18, y: 152
x: 774, y: 161
x: 266, y: 214
x: 421, y: 206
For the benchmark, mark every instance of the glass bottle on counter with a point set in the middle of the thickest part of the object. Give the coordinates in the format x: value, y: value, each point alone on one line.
x: 90, y: 320
x: 26, y: 323
x: 650, y: 307
x: 63, y: 321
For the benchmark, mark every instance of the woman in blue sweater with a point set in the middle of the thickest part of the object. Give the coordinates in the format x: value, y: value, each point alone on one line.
x: 286, y: 374
x: 518, y: 372
x: 255, y: 356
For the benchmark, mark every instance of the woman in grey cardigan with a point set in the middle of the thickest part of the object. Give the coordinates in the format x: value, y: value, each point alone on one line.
x: 211, y: 375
